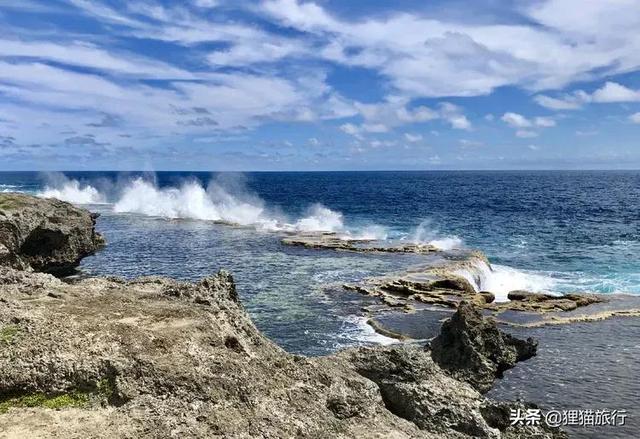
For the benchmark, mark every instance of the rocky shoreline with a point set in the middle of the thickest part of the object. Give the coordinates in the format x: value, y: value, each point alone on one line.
x: 154, y: 357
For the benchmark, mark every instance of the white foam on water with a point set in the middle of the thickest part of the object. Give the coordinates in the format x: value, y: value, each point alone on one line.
x: 189, y: 201
x: 426, y: 233
x: 320, y: 219
x: 371, y: 233
x: 73, y: 192
x: 447, y: 243
x: 360, y: 330
x: 501, y: 279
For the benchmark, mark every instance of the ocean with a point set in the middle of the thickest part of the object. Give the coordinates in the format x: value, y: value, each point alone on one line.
x: 552, y: 231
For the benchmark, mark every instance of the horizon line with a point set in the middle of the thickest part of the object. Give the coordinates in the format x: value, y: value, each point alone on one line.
x: 330, y: 170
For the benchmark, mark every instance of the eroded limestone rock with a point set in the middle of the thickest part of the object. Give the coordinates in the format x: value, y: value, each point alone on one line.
x: 45, y: 235
x: 474, y: 350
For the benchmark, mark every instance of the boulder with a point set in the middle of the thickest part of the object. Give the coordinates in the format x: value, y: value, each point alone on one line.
x: 45, y: 234
x: 472, y: 348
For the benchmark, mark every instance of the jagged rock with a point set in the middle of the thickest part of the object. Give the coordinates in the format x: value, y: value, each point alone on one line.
x: 474, y: 350
x: 414, y: 387
x: 45, y: 234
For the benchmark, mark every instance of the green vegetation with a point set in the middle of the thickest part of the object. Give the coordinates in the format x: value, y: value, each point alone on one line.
x: 106, y: 388
x: 8, y: 333
x: 104, y: 391
x: 73, y: 399
x: 11, y: 202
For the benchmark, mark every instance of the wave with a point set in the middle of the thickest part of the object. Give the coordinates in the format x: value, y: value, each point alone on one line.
x: 427, y: 233
x: 5, y: 188
x: 502, y: 279
x: 222, y: 201
x: 72, y: 191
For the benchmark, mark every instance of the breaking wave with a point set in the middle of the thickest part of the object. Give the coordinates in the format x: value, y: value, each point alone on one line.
x: 501, y: 279
x: 72, y: 191
x: 224, y: 201
x: 426, y: 233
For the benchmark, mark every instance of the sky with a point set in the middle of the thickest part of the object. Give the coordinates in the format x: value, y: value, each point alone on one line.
x: 294, y: 85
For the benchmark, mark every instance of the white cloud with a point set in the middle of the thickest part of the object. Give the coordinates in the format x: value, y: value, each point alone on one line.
x: 469, y: 143
x: 412, y: 138
x: 568, y: 102
x: 526, y: 134
x: 524, y: 126
x: 350, y: 128
x: 544, y: 122
x: 516, y: 120
x: 206, y: 3
x: 396, y: 112
x: 610, y: 92
x: 440, y: 57
x: 635, y: 118
x: 614, y: 92
x: 86, y: 55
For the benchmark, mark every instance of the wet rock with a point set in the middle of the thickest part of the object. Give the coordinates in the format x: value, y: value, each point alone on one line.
x: 541, y: 302
x: 336, y: 241
x: 45, y: 234
x: 415, y: 388
x: 474, y: 350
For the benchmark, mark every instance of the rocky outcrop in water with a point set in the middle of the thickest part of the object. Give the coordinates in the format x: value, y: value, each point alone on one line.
x: 473, y: 349
x: 540, y: 302
x: 335, y: 241
x: 446, y: 282
x: 157, y: 358
x: 45, y: 235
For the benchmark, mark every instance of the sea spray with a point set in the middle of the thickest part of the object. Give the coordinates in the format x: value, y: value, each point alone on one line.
x: 60, y: 187
x: 320, y: 218
x: 225, y: 199
x: 426, y: 233
x: 501, y: 279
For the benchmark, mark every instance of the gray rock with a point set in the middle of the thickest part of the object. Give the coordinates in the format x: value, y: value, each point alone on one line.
x: 474, y: 350
x: 45, y: 235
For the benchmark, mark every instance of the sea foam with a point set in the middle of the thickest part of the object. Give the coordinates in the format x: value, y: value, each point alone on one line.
x: 73, y: 192
x: 501, y: 279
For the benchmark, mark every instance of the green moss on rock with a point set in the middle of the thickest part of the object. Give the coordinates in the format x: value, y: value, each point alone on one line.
x: 8, y: 333
x: 56, y: 402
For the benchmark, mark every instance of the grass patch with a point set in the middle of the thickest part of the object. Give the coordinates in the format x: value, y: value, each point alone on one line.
x: 8, y: 333
x: 64, y: 400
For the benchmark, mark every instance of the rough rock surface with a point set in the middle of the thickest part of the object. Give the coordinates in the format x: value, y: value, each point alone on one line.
x: 45, y: 235
x: 474, y: 350
x: 335, y: 241
x: 448, y: 282
x: 540, y: 302
x: 158, y: 358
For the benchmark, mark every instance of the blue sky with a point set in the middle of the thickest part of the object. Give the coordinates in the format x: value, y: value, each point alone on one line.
x: 319, y: 85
